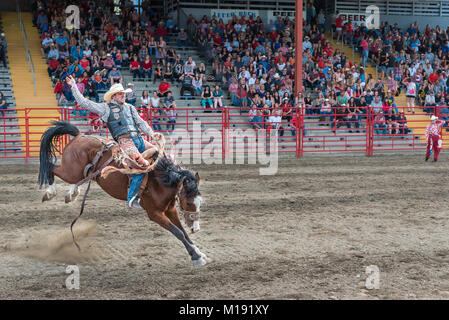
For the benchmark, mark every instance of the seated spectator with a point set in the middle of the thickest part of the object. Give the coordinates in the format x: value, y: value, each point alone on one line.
x: 147, y: 67
x: 135, y: 68
x: 218, y: 95
x: 155, y: 100
x: 189, y: 66
x: 169, y: 101
x: 379, y: 123
x: 145, y: 101
x: 46, y: 43
x: 53, y: 66
x: 158, y: 73
x: 255, y: 117
x: 115, y: 75
x: 109, y: 62
x: 187, y: 84
x: 182, y: 39
x: 207, y: 98
x: 164, y: 88
x: 131, y: 96
x: 91, y: 90
x: 275, y: 118
x: 95, y: 123
x: 155, y: 119
x: 197, y: 84
x: 168, y: 73
x: 170, y: 112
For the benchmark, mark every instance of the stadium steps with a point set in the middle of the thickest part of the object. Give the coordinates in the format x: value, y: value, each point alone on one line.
x: 10, y: 137
x: 21, y: 77
x: 416, y: 122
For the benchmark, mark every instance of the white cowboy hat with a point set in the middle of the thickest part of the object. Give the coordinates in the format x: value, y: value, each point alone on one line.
x: 433, y: 118
x: 115, y: 88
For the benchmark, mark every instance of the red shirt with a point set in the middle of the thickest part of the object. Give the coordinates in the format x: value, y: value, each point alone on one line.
x: 161, y: 31
x: 339, y: 22
x: 433, y: 77
x: 163, y: 87
x: 53, y: 64
x: 147, y: 65
x: 135, y: 64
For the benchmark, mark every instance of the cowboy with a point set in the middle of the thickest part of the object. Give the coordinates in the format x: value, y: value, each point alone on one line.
x: 434, y: 135
x: 124, y: 124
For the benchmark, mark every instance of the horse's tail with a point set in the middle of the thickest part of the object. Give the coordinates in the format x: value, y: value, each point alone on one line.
x: 48, y: 149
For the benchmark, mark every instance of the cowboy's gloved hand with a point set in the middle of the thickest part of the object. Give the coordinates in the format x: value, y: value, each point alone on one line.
x: 156, y: 136
x: 71, y: 81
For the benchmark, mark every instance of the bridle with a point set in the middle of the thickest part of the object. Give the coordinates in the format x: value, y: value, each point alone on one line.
x: 192, y: 215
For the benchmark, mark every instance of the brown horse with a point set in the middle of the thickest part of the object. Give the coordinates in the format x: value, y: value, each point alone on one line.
x: 166, y: 182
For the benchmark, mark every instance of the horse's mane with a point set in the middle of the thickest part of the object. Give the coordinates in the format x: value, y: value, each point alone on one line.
x: 169, y: 174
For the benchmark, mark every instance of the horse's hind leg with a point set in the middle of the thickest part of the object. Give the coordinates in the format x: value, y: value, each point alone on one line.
x: 72, y: 194
x: 50, y: 193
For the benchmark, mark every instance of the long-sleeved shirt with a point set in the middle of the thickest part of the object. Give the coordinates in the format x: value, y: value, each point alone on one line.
x: 434, y: 128
x: 103, y: 110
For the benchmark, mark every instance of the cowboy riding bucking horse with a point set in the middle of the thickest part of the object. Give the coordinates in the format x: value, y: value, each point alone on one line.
x: 124, y: 123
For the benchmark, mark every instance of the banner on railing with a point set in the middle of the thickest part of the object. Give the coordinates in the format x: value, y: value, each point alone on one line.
x: 227, y: 14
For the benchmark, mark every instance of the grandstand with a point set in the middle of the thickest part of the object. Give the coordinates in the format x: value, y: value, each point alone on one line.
x: 216, y: 35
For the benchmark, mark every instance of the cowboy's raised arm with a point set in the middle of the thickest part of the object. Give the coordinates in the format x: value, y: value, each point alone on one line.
x: 141, y: 124
x: 98, y: 108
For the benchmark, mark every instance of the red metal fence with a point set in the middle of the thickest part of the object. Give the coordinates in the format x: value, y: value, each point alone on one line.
x: 300, y: 130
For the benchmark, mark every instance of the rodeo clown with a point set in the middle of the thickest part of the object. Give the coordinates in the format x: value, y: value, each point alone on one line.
x: 434, y: 137
x: 123, y: 123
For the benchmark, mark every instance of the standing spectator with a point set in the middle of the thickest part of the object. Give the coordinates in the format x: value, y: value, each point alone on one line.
x: 410, y: 94
x: 3, y: 104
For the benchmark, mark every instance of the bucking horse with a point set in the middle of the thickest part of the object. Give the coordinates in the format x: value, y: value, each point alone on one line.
x: 88, y: 157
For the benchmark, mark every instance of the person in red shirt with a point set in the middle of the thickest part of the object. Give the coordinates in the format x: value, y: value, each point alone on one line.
x: 147, y: 67
x: 348, y: 33
x: 433, y: 77
x: 53, y: 65
x: 339, y: 27
x: 163, y: 89
x: 135, y: 68
x: 161, y: 31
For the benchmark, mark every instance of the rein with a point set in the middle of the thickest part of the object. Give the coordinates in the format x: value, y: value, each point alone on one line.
x: 106, y: 147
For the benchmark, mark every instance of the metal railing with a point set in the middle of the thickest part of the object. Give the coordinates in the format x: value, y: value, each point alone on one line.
x: 27, y: 51
x: 397, y: 7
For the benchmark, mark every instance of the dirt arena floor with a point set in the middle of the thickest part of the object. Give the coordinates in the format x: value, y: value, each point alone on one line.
x: 308, y: 232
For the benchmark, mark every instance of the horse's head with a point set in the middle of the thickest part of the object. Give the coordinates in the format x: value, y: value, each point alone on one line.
x: 190, y: 200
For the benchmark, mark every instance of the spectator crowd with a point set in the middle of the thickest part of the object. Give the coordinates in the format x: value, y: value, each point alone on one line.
x: 252, y: 63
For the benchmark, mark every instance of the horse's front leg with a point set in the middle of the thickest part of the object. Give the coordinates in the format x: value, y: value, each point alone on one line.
x: 172, y: 214
x: 161, y: 219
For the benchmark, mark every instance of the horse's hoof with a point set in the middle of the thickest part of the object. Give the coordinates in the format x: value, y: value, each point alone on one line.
x: 199, y: 262
x: 48, y: 197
